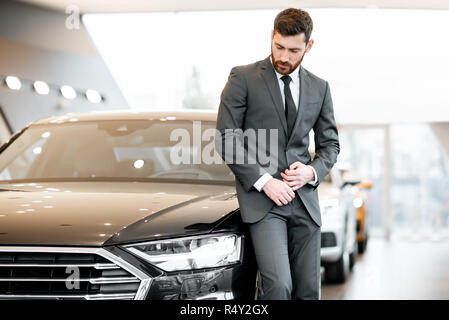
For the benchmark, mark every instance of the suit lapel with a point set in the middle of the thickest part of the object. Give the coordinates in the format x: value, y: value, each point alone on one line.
x: 272, y: 83
x: 304, y: 86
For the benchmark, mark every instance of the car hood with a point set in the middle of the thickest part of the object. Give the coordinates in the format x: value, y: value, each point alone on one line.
x: 101, y: 213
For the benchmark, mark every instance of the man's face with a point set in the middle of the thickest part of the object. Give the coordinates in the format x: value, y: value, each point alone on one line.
x: 287, y: 52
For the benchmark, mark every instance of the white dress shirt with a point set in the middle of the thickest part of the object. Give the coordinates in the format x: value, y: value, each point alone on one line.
x: 294, y: 88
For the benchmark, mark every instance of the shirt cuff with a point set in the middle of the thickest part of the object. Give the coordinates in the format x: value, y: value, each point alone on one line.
x: 314, y: 182
x: 262, y: 180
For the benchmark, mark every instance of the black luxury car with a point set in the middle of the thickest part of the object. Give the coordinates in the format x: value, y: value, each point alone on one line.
x: 119, y: 205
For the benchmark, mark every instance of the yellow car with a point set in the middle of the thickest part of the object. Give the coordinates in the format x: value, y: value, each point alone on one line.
x: 358, y: 191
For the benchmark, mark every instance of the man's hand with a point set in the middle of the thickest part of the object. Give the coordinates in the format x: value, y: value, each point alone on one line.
x: 278, y: 191
x: 297, y: 175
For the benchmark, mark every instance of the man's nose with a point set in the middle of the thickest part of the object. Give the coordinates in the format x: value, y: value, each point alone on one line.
x: 284, y: 56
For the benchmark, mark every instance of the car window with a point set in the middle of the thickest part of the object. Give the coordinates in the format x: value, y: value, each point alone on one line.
x: 140, y: 149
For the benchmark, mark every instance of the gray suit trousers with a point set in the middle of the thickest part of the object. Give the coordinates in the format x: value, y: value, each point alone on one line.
x: 287, y: 245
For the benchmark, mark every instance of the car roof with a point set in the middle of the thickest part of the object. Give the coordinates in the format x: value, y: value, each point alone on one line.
x: 131, y: 114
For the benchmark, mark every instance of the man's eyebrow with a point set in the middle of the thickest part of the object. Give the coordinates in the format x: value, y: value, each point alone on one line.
x: 284, y: 47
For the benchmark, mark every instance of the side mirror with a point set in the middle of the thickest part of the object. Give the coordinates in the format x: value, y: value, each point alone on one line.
x: 366, y: 184
x: 350, y: 182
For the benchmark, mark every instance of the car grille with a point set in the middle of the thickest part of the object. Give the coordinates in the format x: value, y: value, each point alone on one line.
x: 328, y: 239
x: 64, y: 275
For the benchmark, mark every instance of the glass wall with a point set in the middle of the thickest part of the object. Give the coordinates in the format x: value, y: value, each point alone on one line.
x: 419, y: 181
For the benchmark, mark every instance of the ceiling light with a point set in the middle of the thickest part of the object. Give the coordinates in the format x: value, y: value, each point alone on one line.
x: 93, y: 96
x: 41, y: 87
x: 68, y: 92
x: 138, y: 164
x: 13, y: 83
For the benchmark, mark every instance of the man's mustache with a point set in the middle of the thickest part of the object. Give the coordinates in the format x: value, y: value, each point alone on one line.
x: 283, y: 64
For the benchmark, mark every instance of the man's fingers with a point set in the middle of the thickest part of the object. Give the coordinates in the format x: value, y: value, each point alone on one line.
x: 275, y: 199
x: 293, y: 183
x: 291, y: 178
x: 282, y: 199
x: 295, y: 165
x: 286, y: 195
x: 294, y: 172
x: 279, y: 192
x: 286, y: 175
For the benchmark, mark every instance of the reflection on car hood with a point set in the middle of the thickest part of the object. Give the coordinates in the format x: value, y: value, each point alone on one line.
x: 97, y: 213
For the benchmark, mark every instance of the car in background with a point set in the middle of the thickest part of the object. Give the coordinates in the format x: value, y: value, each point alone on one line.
x: 93, y: 207
x: 338, y: 230
x: 359, y: 193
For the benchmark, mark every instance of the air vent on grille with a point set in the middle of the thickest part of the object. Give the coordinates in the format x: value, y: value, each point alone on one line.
x: 63, y: 276
x: 328, y: 239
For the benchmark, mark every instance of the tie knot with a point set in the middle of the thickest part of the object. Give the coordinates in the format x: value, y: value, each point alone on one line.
x: 286, y: 79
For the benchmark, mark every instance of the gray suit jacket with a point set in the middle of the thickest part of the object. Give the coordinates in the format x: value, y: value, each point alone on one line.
x: 252, y: 99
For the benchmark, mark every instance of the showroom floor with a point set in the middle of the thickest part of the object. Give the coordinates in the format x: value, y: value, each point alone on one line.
x: 398, y: 269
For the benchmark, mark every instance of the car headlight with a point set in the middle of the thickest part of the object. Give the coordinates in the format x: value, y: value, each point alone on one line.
x: 190, y: 253
x: 331, y: 213
x: 357, y: 202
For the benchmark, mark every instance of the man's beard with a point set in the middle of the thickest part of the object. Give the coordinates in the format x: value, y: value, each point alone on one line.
x: 291, y: 67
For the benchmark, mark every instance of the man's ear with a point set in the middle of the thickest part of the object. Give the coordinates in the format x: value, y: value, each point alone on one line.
x: 309, y: 45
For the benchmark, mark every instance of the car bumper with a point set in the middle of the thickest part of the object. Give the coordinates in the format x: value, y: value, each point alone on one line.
x: 331, y: 245
x: 220, y: 284
x: 113, y: 273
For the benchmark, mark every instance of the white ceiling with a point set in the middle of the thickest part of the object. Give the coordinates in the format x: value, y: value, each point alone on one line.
x: 195, y: 5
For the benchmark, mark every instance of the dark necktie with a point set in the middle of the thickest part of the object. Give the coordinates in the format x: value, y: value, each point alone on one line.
x: 290, y: 109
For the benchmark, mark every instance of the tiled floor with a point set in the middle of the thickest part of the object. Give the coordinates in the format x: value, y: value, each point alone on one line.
x: 398, y: 269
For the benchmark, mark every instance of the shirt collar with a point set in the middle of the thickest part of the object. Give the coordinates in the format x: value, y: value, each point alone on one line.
x: 294, y: 75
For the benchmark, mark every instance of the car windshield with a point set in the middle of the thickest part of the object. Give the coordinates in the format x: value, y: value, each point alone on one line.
x: 148, y: 150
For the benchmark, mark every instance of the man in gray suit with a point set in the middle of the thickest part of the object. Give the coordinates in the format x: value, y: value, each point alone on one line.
x: 281, y: 206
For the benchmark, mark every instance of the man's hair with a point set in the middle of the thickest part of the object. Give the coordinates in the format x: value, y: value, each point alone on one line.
x: 290, y: 22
